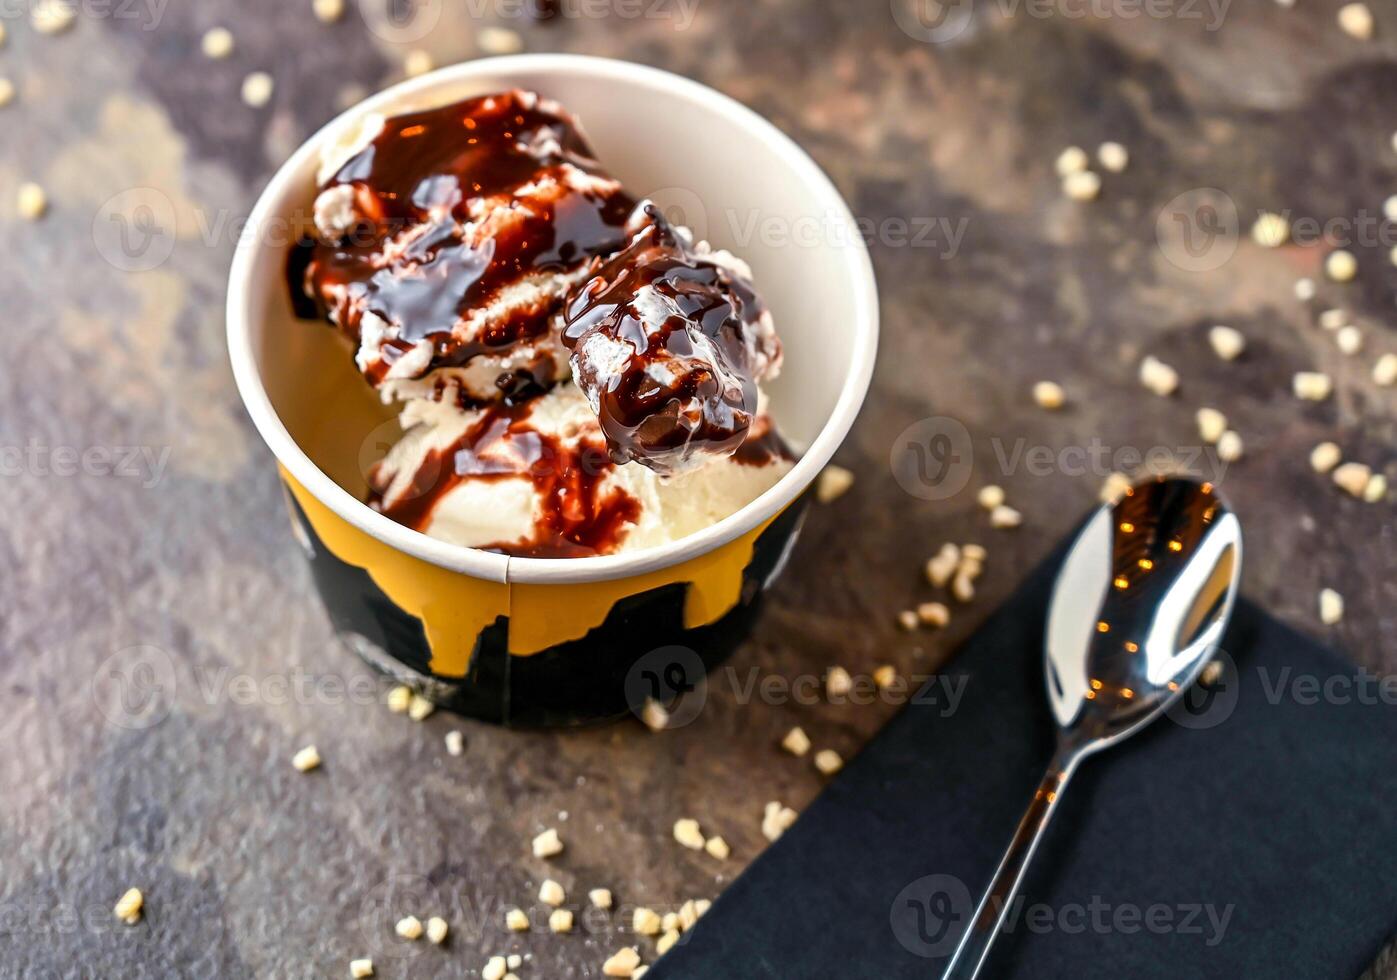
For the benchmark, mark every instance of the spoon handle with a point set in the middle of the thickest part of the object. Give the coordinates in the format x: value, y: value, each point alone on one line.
x: 975, y: 945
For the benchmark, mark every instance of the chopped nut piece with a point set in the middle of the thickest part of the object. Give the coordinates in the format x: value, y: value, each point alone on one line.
x: 1385, y: 370
x: 933, y: 614
x: 409, y: 927
x: 666, y: 941
x: 670, y: 920
x: 437, y: 930
x: 1158, y: 377
x: 1353, y: 477
x: 417, y: 62
x: 551, y: 893
x: 989, y: 497
x: 1072, y: 160
x: 1212, y: 670
x: 1305, y: 289
x: 796, y: 741
x: 1392, y: 255
x: 1270, y: 230
x: 328, y: 11
x: 494, y: 969
x: 623, y: 963
x: 963, y: 587
x: 217, y: 43
x: 776, y: 820
x: 1230, y: 447
x: 499, y: 40
x: 1115, y: 487
x: 257, y: 89
x: 1325, y: 457
x: 516, y: 920
x: 1356, y: 20
x: 398, y: 699
x: 885, y: 676
x: 1312, y: 386
x: 907, y: 619
x: 974, y: 552
x: 838, y: 682
x: 686, y: 832
x: 7, y: 91
x: 560, y: 920
x: 419, y: 708
x: 639, y: 972
x: 52, y: 16
x: 32, y: 201
x: 1228, y: 342
x: 1333, y: 319
x: 1389, y: 208
x: 1211, y: 424
x: 688, y: 914
x: 1349, y: 340
x: 654, y: 715
x: 306, y: 759
x: 828, y: 761
x: 1084, y: 186
x: 717, y: 847
x: 702, y: 906
x: 1340, y: 265
x: 834, y: 482
x: 547, y: 844
x: 359, y: 969
x: 1331, y: 607
x: 1049, y: 395
x: 1004, y: 516
x: 645, y: 922
x: 1376, y: 490
x: 514, y: 961
x: 455, y: 743
x: 128, y: 907
x: 943, y: 565
x: 600, y: 897
x: 1113, y: 157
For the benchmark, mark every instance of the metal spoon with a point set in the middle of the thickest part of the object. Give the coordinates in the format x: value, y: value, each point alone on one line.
x: 1138, y: 608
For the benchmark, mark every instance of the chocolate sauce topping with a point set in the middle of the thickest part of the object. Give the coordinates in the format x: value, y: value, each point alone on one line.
x: 668, y: 343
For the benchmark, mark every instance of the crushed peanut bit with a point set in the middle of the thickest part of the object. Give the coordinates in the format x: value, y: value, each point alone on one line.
x: 306, y: 759
x: 1356, y: 20
x: 2, y: 34
x: 838, y: 682
x: 217, y: 43
x: 437, y: 930
x: 398, y: 699
x: 419, y: 708
x: 885, y: 676
x: 688, y: 914
x: 1270, y: 230
x: 128, y: 907
x: 1212, y: 670
x: 455, y: 743
x: 1340, y: 265
x: 1049, y: 395
x: 52, y: 16
x: 776, y: 819
x: 1211, y: 424
x: 639, y: 972
x: 1333, y: 319
x: 1228, y: 342
x: 700, y: 907
x: 409, y: 927
x: 1392, y: 255
x: 833, y: 483
x: 359, y: 969
x: 933, y: 614
x: 796, y: 741
x: 963, y: 587
x: 1331, y: 607
x: 1349, y: 340
x: 257, y: 89
x: 975, y: 553
x: 718, y: 848
x: 828, y: 761
x: 654, y: 715
x: 7, y: 91
x: 551, y: 893
x: 1084, y: 186
x: 514, y: 961
x: 1113, y: 157
x: 417, y: 62
x: 1304, y: 289
x: 560, y: 921
x: 669, y: 921
x: 943, y: 565
x: 1072, y: 160
x: 1385, y: 370
x: 1230, y: 447
x: 547, y: 844
x: 1004, y: 516
x: 32, y: 202
x: 989, y: 497
x: 1389, y: 208
x: 686, y: 832
x: 1114, y: 487
x: 907, y: 619
x: 1353, y: 477
x: 494, y: 968
x: 667, y: 941
x: 516, y: 920
x: 1376, y: 490
x: 645, y: 922
x: 499, y: 40
x: 600, y: 898
x: 1312, y: 386
x: 1158, y: 377
x: 327, y: 11
x: 1325, y: 457
x: 622, y: 963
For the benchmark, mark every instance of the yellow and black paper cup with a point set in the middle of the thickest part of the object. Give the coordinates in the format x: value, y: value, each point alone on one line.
x: 533, y: 641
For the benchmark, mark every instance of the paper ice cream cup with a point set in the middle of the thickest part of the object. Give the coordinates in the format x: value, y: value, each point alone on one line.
x: 534, y: 641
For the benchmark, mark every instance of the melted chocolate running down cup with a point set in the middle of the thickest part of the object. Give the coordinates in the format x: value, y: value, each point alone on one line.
x: 668, y: 342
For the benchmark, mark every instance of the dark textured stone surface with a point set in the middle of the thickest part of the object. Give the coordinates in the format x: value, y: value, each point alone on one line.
x: 184, y: 788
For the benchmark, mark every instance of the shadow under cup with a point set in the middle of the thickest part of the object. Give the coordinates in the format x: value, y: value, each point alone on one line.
x: 535, y: 642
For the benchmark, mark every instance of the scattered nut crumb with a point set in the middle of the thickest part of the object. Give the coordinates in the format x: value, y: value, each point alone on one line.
x: 1389, y: 208
x: 7, y: 92
x: 1304, y: 289
x: 796, y: 741
x: 417, y: 62
x: 257, y: 89
x: 1158, y: 377
x: 52, y: 16
x: 645, y: 922
x: 1349, y: 340
x: 1211, y: 424
x: 1376, y: 490
x: 639, y: 972
x: 701, y: 906
x: 943, y: 565
x: 1004, y: 516
x: 600, y: 897
x: 1331, y: 607
x: 409, y: 927
x: 516, y: 920
x: 885, y: 676
x: 1340, y: 265
x: 1325, y: 457
x: 551, y: 893
x: 455, y: 743
x: 1072, y: 160
x: 1049, y: 395
x: 989, y: 497
x: 437, y: 930
x: 1333, y: 319
x: 419, y: 708
x: 32, y: 201
x: 1385, y: 370
x: 547, y: 844
x: 688, y: 914
x: 833, y: 483
x: 654, y: 715
x: 963, y: 587
x: 1115, y: 486
x: 499, y: 40
x: 217, y: 43
x: 1230, y: 447
x: 667, y: 941
x: 974, y: 553
x: 306, y: 759
x: 838, y: 682
x: 359, y: 969
x: 776, y: 819
x: 128, y: 907
x: 494, y: 969
x: 1356, y: 20
x: 828, y: 761
x: 622, y: 963
x: 907, y: 619
x: 328, y: 11
x: 686, y: 832
x: 1083, y: 186
x: 1228, y: 342
x: 1353, y: 477
x: 398, y: 699
x: 1113, y: 157
x: 560, y: 921
x: 718, y: 848
x: 670, y: 920
x: 1270, y: 230
x: 514, y: 961
x: 1312, y: 386
x: 933, y: 614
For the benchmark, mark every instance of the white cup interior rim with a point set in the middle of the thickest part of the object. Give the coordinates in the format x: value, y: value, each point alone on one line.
x: 488, y: 565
